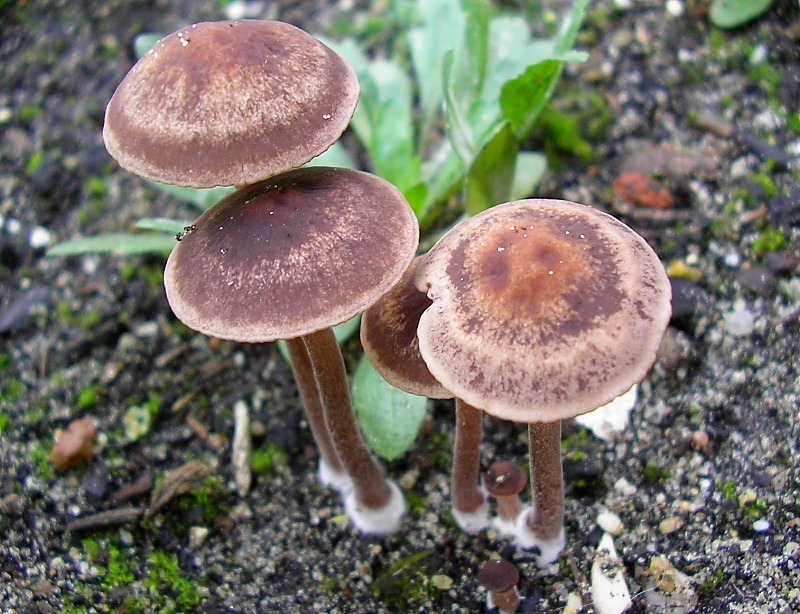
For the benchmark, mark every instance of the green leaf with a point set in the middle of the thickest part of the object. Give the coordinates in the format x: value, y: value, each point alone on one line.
x: 490, y: 178
x: 369, y: 100
x: 734, y: 13
x: 415, y: 195
x: 528, y: 172
x: 392, y: 144
x: 478, y: 15
x: 162, y: 224
x: 200, y: 198
x: 441, y: 29
x: 144, y: 42
x: 390, y: 418
x: 116, y: 243
x: 568, y: 31
x: 522, y: 99
x: 336, y: 155
x: 459, y: 130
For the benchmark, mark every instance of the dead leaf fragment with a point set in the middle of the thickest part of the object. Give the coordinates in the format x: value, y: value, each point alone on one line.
x: 642, y: 190
x: 74, y: 446
x: 176, y: 482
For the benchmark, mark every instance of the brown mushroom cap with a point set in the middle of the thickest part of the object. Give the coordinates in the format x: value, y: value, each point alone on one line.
x: 229, y: 103
x: 542, y: 309
x: 498, y: 575
x: 389, y: 337
x: 292, y: 255
x: 505, y: 479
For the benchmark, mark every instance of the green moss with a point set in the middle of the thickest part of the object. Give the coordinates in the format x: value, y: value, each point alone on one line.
x: 770, y: 240
x: 208, y: 500
x: 12, y: 391
x: 264, y: 461
x: 713, y: 582
x: 168, y: 588
x: 654, y: 473
x: 755, y: 510
x: 416, y: 503
x: 406, y: 583
x: 88, y: 397
x: 40, y: 457
x: 5, y: 421
x: 728, y: 490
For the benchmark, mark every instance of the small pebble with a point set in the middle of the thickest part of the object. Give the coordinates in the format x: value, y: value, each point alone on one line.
x: 762, y: 526
x: 791, y: 548
x: 197, y: 535
x: 732, y: 259
x: 39, y: 237
x: 442, y: 582
x: 74, y: 446
x: 757, y: 279
x: 701, y: 440
x: 625, y: 487
x: 675, y: 7
x: 758, y: 55
x: 610, y: 522
x: 740, y: 321
x: 670, y: 525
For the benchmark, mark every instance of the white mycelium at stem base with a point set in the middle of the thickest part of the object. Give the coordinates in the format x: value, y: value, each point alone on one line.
x: 541, y: 310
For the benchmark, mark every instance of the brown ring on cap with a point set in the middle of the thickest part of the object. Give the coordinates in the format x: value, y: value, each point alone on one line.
x: 229, y: 103
x: 541, y: 309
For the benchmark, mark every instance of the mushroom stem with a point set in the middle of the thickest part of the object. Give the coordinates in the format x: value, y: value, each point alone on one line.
x: 375, y: 505
x: 331, y: 471
x: 470, y: 506
x: 544, y: 524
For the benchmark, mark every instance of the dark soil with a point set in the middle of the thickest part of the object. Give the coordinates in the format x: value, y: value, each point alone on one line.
x: 706, y: 476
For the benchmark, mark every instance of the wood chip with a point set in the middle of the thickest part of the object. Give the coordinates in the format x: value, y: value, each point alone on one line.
x: 240, y: 454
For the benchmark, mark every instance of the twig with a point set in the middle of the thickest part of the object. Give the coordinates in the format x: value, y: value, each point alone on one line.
x: 122, y: 515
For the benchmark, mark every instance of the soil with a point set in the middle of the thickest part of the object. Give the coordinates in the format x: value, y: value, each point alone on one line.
x: 705, y: 477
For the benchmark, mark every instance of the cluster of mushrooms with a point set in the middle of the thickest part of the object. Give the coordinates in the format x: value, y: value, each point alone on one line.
x: 534, y: 311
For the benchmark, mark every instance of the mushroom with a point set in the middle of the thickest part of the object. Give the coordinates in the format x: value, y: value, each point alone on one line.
x: 229, y: 103
x: 542, y: 310
x: 500, y: 578
x: 288, y: 258
x: 389, y: 337
x: 504, y: 481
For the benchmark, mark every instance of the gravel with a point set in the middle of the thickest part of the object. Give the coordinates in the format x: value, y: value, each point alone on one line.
x: 704, y: 482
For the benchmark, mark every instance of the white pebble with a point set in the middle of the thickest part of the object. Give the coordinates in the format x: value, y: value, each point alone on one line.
x: 610, y: 522
x: 625, y: 487
x: 762, y: 526
x: 39, y: 237
x: 675, y: 7
x: 758, y: 55
x: 740, y: 321
x: 791, y: 548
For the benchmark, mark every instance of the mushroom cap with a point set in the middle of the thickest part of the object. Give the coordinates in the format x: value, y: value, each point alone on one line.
x: 505, y: 479
x: 292, y: 255
x: 542, y: 309
x: 229, y: 103
x: 498, y: 575
x: 389, y: 337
